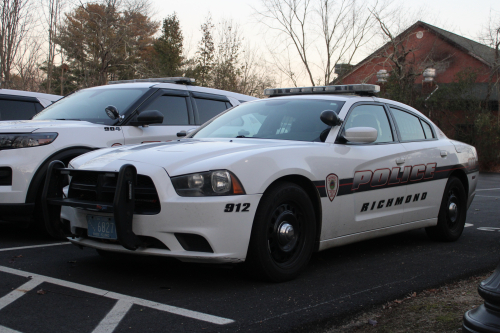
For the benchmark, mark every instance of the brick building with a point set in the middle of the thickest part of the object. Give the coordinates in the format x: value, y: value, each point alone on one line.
x: 425, y: 46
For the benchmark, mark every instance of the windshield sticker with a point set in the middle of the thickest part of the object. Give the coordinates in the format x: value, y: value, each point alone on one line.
x: 332, y: 185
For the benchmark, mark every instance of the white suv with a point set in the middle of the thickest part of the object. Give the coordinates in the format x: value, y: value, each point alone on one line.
x: 113, y: 115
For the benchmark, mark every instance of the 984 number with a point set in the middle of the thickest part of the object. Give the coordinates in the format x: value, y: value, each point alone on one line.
x: 230, y: 207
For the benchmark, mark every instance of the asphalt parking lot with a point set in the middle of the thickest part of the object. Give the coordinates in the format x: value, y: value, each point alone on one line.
x: 48, y: 286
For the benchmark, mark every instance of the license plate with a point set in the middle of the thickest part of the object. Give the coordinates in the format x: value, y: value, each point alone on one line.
x: 101, y: 227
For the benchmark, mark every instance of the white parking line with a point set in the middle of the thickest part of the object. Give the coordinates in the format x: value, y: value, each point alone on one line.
x: 33, y: 246
x: 4, y: 329
x: 21, y: 291
x: 131, y: 299
x: 113, y: 318
x: 468, y: 225
x: 488, y: 189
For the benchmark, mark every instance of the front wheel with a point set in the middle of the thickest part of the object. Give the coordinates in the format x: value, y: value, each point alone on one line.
x: 452, y: 213
x: 283, y: 233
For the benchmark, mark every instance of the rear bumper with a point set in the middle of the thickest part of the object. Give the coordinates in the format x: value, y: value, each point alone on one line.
x: 22, y: 212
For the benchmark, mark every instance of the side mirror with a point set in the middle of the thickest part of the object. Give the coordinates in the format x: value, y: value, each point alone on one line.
x: 361, y: 134
x: 148, y: 117
x: 112, y: 112
x: 330, y: 118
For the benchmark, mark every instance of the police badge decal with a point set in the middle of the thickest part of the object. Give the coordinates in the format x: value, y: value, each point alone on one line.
x: 332, y: 185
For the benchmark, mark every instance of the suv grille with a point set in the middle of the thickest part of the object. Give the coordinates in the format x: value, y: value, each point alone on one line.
x: 101, y: 186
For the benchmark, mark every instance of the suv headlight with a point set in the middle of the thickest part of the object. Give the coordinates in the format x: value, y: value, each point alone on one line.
x: 12, y: 141
x: 211, y: 183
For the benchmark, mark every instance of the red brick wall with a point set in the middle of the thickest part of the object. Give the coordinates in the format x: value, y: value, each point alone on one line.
x: 453, y: 58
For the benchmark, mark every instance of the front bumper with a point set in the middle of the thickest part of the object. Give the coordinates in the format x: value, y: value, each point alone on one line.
x: 227, y: 234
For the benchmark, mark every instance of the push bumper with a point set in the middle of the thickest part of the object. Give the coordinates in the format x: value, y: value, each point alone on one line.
x: 122, y: 207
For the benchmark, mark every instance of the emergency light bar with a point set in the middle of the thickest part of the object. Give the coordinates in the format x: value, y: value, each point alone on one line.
x: 362, y: 89
x: 178, y: 80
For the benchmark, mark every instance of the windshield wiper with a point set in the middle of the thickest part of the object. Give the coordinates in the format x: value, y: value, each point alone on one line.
x: 248, y: 137
x: 68, y: 119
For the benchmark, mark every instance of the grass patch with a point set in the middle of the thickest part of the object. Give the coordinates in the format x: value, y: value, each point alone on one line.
x: 433, y: 310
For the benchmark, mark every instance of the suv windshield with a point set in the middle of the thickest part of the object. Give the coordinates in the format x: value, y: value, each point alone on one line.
x: 283, y: 119
x: 89, y: 105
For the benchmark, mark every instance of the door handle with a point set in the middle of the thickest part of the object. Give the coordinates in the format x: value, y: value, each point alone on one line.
x: 444, y: 153
x: 400, y: 160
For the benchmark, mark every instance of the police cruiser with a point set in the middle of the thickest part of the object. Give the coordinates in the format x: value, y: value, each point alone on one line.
x: 271, y: 181
x: 122, y: 113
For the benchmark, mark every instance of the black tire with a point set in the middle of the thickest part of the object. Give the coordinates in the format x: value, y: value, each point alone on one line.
x: 452, y: 213
x: 276, y: 256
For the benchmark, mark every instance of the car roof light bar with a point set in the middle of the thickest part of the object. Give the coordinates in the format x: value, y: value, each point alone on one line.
x: 361, y: 89
x: 178, y: 80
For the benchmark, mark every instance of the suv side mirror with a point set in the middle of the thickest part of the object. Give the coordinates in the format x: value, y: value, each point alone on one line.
x: 112, y: 112
x: 361, y: 134
x: 148, y: 117
x: 330, y: 118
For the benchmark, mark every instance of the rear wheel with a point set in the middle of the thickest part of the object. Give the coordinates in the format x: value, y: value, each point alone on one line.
x: 283, y: 233
x: 452, y: 213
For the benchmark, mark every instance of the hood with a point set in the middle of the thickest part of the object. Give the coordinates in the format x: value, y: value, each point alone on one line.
x: 176, y: 155
x: 28, y: 126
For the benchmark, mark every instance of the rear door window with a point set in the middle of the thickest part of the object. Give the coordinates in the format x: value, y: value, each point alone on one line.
x: 173, y: 108
x: 410, y: 127
x: 208, y: 108
x: 16, y: 110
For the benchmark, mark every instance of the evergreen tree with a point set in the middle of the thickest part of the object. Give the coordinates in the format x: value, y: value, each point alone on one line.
x: 168, y: 47
x: 205, y: 54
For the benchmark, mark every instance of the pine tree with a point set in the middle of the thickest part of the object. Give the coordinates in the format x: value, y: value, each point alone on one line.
x: 168, y: 47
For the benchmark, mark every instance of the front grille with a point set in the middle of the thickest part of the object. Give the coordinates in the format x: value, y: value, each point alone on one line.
x: 100, y: 187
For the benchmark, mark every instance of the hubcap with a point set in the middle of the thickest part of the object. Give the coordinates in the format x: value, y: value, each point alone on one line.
x: 285, y: 233
x: 453, y: 211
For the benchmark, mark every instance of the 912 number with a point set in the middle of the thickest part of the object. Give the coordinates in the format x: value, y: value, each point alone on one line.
x: 230, y: 207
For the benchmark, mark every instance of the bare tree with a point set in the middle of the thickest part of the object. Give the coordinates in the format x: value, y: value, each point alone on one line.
x: 16, y: 21
x: 26, y: 71
x: 491, y: 37
x: 52, y: 10
x: 255, y: 74
x: 322, y: 32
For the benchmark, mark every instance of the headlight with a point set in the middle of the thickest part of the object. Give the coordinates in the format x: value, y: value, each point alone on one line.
x: 218, y: 182
x: 12, y: 141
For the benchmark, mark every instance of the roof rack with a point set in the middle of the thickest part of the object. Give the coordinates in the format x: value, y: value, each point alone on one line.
x: 361, y: 89
x: 178, y: 80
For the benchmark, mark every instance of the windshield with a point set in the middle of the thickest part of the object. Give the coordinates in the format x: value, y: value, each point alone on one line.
x: 284, y: 119
x: 89, y: 105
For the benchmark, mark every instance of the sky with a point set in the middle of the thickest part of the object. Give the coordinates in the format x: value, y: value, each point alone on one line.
x: 463, y: 17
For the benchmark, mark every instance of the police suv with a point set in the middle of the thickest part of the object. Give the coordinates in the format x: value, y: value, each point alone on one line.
x: 271, y: 181
x: 151, y: 110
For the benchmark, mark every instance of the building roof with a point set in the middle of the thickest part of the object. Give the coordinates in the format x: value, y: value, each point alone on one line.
x: 477, y: 50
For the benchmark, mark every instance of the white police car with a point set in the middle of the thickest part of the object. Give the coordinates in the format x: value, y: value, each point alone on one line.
x: 105, y: 116
x: 271, y: 181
